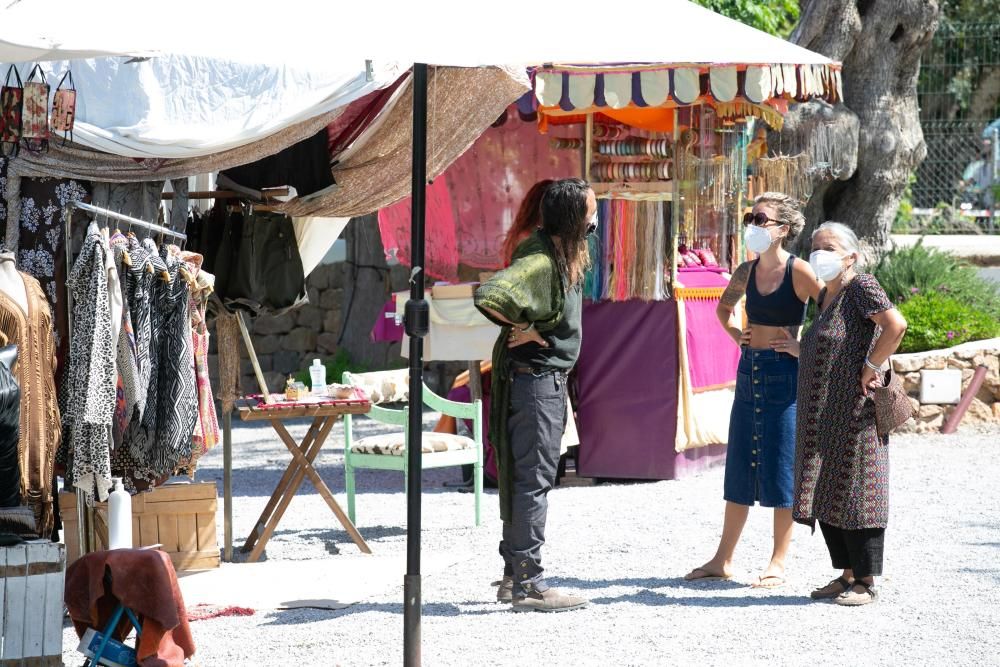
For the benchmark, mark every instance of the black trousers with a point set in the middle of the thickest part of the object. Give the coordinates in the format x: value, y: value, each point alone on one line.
x: 858, y: 550
x: 535, y: 426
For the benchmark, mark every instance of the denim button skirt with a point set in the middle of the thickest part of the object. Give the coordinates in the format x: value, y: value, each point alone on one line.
x: 761, y: 455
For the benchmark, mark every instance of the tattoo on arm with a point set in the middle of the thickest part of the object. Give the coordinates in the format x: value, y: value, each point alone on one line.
x: 737, y: 286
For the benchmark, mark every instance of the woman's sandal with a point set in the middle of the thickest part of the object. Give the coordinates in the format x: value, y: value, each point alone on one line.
x: 851, y: 599
x: 832, y: 590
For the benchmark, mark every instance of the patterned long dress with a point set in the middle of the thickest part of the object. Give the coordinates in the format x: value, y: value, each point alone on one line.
x: 841, y: 465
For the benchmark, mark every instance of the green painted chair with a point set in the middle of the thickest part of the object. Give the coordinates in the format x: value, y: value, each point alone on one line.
x: 389, y: 451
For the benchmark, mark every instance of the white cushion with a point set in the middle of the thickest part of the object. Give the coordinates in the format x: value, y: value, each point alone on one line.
x: 391, y: 444
x: 383, y: 386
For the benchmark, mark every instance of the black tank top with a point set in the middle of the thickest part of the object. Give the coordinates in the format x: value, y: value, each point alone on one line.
x: 780, y: 308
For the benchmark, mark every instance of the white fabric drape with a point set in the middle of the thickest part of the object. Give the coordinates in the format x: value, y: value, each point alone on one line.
x: 187, y: 106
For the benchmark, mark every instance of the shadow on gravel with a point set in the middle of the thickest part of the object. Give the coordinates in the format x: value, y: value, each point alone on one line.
x: 653, y: 599
x: 257, y: 482
x: 649, y: 582
x: 370, y: 533
x: 433, y: 609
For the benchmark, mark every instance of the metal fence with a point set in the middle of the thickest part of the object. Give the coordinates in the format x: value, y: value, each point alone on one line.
x: 959, y: 97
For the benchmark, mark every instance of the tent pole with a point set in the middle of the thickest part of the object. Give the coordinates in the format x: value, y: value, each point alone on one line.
x: 416, y: 323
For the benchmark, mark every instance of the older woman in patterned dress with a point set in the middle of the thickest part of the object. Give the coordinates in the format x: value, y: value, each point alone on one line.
x: 841, y: 464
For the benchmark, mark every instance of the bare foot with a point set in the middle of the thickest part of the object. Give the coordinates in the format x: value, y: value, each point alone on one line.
x: 773, y: 577
x: 709, y: 572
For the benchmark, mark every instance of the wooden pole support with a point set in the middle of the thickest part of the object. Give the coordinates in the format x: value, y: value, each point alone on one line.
x: 956, y: 417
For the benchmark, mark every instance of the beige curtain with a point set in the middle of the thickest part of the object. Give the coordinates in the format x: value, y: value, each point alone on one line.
x: 462, y: 103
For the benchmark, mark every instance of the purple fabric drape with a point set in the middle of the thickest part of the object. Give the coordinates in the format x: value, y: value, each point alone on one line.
x: 627, y: 381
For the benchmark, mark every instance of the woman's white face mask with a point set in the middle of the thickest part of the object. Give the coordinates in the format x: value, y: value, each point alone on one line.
x: 827, y: 264
x: 758, y: 239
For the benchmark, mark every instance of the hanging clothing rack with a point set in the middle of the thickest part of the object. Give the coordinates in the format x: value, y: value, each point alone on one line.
x: 85, y: 513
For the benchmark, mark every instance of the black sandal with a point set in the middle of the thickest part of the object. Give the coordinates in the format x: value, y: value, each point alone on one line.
x: 851, y: 599
x: 821, y: 594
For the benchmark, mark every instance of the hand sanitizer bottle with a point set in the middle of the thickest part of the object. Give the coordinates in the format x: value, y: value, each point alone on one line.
x: 317, y: 373
x: 120, y: 517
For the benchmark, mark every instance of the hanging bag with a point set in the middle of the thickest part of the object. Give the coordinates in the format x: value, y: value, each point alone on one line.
x: 892, y: 405
x: 35, y: 120
x: 11, y: 106
x: 64, y: 108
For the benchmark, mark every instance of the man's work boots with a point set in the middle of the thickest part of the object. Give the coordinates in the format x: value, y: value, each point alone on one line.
x: 550, y: 600
x: 505, y: 592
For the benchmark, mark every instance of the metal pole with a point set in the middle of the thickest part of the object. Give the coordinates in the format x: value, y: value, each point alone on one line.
x: 417, y: 323
x: 970, y: 393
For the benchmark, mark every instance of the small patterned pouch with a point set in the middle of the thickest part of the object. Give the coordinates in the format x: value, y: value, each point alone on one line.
x: 35, y: 119
x: 64, y: 108
x: 11, y: 105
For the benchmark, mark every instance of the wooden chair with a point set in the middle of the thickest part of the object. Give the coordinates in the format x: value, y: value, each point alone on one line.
x: 389, y: 452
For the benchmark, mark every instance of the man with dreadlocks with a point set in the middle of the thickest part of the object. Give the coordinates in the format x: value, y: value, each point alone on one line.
x: 537, y: 301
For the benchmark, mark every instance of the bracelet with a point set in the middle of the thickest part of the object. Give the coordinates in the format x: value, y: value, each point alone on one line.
x: 531, y: 325
x: 872, y: 366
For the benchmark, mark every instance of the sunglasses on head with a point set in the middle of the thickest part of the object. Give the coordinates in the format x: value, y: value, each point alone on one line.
x: 759, y: 219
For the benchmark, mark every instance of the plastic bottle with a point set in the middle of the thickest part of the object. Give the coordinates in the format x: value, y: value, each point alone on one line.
x: 119, y: 517
x: 317, y: 373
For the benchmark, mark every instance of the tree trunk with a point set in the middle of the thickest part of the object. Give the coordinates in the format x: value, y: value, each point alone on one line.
x: 879, y: 43
x: 368, y: 282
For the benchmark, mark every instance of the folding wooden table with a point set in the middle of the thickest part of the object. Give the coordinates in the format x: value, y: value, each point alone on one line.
x: 324, y: 416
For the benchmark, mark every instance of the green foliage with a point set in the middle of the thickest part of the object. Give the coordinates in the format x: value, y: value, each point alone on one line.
x: 905, y: 273
x: 904, y: 214
x: 335, y: 368
x: 936, y: 320
x: 776, y: 17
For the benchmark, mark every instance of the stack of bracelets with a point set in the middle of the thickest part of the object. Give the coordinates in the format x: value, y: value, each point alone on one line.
x: 618, y: 171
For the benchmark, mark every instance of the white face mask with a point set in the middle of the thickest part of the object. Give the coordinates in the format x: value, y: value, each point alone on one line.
x: 757, y: 239
x: 827, y: 264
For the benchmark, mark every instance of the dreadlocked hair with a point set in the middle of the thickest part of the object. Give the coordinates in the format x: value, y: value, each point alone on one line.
x: 527, y: 220
x: 564, y: 221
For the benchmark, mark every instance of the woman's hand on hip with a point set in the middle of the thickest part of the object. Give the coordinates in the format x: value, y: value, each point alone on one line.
x: 869, y: 380
x: 516, y: 338
x: 786, y: 343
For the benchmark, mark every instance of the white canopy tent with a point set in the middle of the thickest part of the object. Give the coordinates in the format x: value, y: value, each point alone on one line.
x: 436, y: 32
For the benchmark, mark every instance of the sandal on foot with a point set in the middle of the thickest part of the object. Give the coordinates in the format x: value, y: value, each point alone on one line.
x: 851, y: 599
x: 701, y: 574
x: 832, y: 590
x: 770, y: 581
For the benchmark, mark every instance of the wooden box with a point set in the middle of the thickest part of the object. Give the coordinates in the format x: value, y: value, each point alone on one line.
x: 460, y: 291
x: 179, y: 517
x: 31, y: 603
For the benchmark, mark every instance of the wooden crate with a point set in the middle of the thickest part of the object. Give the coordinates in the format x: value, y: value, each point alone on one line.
x: 31, y: 604
x: 179, y: 517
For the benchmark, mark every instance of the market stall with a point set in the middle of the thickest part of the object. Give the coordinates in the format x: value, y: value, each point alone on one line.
x: 174, y: 117
x: 674, y: 153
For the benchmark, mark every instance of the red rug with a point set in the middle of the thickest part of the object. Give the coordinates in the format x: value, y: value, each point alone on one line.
x: 203, y: 612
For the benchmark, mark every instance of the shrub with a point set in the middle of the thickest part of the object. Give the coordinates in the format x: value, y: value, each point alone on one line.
x: 905, y: 273
x: 938, y: 320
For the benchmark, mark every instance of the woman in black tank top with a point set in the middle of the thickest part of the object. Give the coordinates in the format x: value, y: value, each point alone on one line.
x: 761, y: 452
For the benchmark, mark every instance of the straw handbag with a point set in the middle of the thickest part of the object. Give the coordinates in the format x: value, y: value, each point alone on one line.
x: 892, y: 405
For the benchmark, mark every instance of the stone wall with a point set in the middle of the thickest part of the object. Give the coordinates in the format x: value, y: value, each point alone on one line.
x: 345, y: 299
x: 985, y: 406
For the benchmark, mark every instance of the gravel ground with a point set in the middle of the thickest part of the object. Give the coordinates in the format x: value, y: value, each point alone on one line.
x: 627, y: 547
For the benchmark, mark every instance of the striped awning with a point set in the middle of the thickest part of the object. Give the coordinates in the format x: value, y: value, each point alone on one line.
x: 582, y: 89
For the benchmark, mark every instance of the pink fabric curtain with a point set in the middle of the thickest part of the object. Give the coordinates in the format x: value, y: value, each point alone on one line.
x: 471, y: 206
x: 712, y: 355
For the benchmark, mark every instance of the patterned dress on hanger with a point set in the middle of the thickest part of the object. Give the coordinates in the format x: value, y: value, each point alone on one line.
x: 87, y: 394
